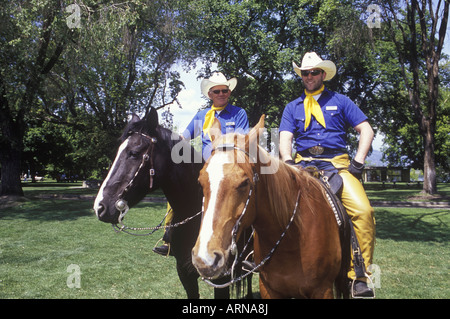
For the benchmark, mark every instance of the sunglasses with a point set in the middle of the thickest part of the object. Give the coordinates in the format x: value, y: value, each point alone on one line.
x: 312, y: 72
x: 225, y: 91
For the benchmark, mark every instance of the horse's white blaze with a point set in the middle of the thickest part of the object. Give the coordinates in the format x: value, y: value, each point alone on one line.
x: 215, y: 174
x: 99, y: 197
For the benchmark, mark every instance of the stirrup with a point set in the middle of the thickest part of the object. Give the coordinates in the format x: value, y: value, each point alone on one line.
x: 168, y: 251
x: 368, y: 285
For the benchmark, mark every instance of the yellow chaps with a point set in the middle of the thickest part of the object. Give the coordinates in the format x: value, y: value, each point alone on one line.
x: 169, y: 216
x: 358, y: 207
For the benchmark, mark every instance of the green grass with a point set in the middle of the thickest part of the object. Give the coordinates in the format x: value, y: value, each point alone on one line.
x: 412, y: 252
x: 35, y: 190
x: 40, y: 238
x: 404, y: 192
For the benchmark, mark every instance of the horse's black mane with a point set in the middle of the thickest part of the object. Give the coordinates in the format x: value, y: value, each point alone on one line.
x: 167, y: 135
x: 170, y: 138
x: 142, y: 127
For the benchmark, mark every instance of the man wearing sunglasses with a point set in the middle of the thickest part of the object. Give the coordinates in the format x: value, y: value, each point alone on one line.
x: 317, y: 122
x: 232, y: 118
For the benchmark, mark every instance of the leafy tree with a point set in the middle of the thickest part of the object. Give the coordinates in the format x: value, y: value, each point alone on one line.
x: 257, y: 41
x: 87, y: 72
x: 85, y: 65
x: 422, y: 26
x: 28, y: 52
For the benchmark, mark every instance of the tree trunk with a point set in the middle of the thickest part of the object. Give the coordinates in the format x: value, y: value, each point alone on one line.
x: 11, y: 146
x: 10, y: 173
x: 429, y: 167
x: 408, y: 55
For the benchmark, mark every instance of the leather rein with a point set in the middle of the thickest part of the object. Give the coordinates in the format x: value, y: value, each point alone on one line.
x: 122, y: 205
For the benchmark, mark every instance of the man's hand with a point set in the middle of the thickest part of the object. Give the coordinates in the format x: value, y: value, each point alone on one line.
x: 356, y: 169
x: 290, y: 162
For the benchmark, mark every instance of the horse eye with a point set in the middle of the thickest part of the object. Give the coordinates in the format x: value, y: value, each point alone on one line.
x: 244, y: 183
x: 133, y: 154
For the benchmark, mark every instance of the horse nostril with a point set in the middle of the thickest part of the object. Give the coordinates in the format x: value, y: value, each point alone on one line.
x: 218, y: 261
x: 100, y: 210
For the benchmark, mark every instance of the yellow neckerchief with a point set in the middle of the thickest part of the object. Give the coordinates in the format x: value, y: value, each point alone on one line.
x: 312, y: 107
x: 209, y: 118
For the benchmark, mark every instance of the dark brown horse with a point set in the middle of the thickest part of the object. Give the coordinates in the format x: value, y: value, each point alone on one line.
x: 296, y: 234
x: 152, y: 157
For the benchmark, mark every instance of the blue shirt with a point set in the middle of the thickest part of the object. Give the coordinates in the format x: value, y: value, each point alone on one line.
x: 339, y: 112
x: 232, y: 119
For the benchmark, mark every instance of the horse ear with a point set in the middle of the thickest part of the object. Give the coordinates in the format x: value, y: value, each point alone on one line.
x: 216, y: 130
x: 253, y: 136
x: 134, y: 118
x: 152, y: 118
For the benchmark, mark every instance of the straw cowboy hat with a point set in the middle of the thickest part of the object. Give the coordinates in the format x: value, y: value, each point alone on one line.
x: 312, y: 61
x: 217, y: 79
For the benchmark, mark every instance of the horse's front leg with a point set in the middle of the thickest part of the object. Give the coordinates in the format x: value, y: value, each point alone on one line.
x: 188, y: 279
x: 222, y: 293
x: 266, y: 292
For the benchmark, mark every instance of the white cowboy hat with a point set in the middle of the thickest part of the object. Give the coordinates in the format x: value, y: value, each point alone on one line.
x: 217, y: 79
x: 312, y: 61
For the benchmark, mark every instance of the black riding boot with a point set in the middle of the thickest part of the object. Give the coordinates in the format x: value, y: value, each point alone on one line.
x: 164, y: 249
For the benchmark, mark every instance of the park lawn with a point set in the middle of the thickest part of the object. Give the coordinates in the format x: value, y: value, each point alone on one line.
x: 405, y: 192
x: 41, y: 238
x: 412, y: 253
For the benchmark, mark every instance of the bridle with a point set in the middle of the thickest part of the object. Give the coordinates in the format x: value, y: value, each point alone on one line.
x: 121, y: 204
x: 234, y: 232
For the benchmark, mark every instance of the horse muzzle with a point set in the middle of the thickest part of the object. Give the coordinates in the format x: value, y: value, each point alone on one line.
x: 210, y: 266
x: 111, y: 212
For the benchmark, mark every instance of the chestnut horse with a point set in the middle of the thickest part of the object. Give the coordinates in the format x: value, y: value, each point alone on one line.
x: 297, y: 244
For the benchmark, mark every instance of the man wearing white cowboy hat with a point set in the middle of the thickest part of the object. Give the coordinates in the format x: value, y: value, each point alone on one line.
x: 232, y: 118
x: 317, y: 122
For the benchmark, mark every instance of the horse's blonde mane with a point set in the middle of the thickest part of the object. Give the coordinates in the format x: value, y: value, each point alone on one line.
x: 285, y: 185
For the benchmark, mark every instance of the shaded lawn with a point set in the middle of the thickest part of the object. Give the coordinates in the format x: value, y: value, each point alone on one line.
x: 412, y: 252
x: 39, y: 239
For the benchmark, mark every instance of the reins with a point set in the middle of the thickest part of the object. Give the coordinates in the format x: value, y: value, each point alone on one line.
x: 125, y: 229
x: 122, y: 205
x: 264, y: 261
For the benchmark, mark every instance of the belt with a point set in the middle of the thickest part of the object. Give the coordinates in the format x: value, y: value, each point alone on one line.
x: 324, y: 151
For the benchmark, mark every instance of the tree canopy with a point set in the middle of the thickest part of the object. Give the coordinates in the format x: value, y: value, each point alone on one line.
x: 71, y: 72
